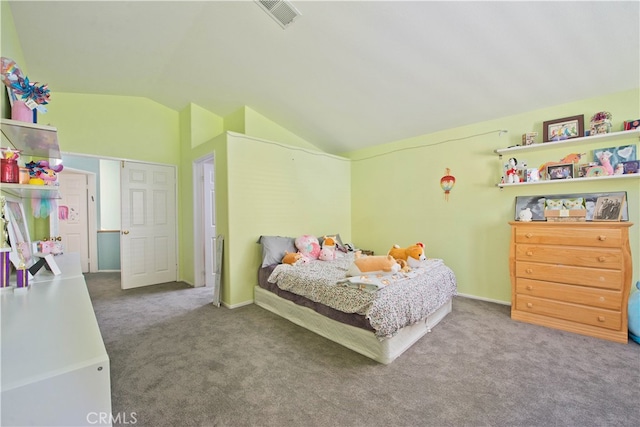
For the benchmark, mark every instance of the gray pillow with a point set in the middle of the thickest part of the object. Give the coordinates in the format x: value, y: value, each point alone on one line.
x: 274, y: 247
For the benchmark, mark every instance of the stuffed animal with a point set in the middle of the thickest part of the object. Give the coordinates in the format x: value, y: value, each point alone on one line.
x: 414, y: 254
x: 512, y: 171
x: 603, y: 158
x: 308, y: 246
x: 329, y: 241
x: 291, y: 258
x: 41, y: 173
x: 381, y: 264
x: 328, y: 251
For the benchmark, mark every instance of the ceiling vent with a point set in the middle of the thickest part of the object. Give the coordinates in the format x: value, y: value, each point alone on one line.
x: 283, y: 12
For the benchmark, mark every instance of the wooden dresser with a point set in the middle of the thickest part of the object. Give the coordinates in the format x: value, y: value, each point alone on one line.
x: 574, y: 276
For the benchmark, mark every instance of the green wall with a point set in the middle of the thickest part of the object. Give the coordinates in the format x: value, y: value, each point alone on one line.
x: 270, y: 181
x: 396, y: 191
x: 278, y: 189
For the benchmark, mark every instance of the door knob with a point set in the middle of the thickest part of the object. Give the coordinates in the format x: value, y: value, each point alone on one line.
x: 125, y: 232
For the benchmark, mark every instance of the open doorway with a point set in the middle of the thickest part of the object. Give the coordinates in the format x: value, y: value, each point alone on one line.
x: 207, y: 245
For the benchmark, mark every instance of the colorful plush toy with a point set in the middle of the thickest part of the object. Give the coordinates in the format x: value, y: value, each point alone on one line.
x: 381, y: 264
x: 291, y: 258
x: 308, y: 246
x: 328, y: 251
x: 327, y: 254
x: 413, y: 255
x: 41, y: 173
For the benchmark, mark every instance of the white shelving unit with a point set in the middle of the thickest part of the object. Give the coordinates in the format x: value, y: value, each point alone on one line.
x: 606, y: 137
x: 55, y: 367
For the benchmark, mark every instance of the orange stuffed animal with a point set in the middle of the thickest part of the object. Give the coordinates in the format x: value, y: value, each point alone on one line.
x: 291, y: 258
x: 413, y: 255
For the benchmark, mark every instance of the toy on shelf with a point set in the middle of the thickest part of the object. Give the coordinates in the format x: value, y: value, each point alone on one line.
x: 41, y: 173
x: 512, y: 171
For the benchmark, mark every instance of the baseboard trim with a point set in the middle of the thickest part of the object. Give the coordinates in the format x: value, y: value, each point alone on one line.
x: 232, y: 306
x: 484, y: 299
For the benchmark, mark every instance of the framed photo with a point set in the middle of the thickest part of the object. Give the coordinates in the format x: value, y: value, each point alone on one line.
x: 631, y: 124
x: 18, y: 232
x: 561, y: 171
x: 613, y: 156
x: 537, y: 204
x: 609, y: 208
x: 561, y: 129
x: 631, y: 167
x: 534, y: 203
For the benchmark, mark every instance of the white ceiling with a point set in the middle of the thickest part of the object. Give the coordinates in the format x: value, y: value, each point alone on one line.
x: 345, y: 75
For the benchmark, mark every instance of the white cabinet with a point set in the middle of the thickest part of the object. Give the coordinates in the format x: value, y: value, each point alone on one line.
x: 55, y: 368
x: 606, y: 137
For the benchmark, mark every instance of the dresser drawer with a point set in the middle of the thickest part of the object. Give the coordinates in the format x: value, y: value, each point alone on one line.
x: 570, y: 255
x: 568, y: 235
x: 603, y: 318
x: 585, y: 276
x: 600, y: 298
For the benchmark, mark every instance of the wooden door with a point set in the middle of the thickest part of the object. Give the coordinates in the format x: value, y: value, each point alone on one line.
x: 148, y: 253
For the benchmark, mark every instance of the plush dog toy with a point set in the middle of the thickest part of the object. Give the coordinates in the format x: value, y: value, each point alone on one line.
x: 381, y: 264
x: 291, y: 258
x: 413, y: 255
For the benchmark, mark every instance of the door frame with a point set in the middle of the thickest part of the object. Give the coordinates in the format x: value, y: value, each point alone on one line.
x: 92, y: 221
x: 198, y: 217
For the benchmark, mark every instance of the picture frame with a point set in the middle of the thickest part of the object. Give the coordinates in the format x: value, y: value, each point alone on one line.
x: 536, y: 203
x: 561, y: 171
x: 615, y: 155
x: 562, y: 129
x: 18, y: 231
x: 631, y: 167
x: 609, y: 208
x: 631, y: 124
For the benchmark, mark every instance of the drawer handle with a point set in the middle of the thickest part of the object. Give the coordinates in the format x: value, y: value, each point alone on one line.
x: 529, y: 253
x: 601, y: 259
x: 528, y: 235
x: 602, y: 238
x: 529, y: 270
x: 601, y: 319
x: 529, y: 305
x: 529, y: 287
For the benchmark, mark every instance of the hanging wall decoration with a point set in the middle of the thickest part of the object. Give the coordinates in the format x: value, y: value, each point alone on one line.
x: 447, y: 182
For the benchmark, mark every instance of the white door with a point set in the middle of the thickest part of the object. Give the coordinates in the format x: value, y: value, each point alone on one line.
x: 148, y: 253
x: 209, y: 210
x: 73, y: 226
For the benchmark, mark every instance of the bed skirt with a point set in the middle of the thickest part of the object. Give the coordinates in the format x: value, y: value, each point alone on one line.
x: 357, y: 339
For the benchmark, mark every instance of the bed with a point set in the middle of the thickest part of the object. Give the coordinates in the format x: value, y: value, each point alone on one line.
x: 379, y: 324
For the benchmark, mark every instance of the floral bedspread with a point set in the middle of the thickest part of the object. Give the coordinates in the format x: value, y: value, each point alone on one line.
x: 408, y: 299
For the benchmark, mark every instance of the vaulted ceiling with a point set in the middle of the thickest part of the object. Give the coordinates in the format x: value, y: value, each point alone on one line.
x: 346, y: 74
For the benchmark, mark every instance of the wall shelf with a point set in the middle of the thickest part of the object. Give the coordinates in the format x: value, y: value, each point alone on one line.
x: 605, y: 137
x: 574, y: 180
x: 613, y: 136
x: 26, y: 191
